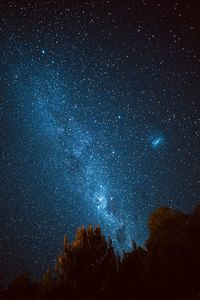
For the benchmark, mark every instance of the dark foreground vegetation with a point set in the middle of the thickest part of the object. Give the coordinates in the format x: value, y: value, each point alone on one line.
x: 168, y: 267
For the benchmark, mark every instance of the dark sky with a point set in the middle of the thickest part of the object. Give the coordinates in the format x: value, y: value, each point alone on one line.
x: 99, y: 121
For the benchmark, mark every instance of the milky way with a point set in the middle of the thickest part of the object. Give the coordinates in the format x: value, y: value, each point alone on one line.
x: 99, y: 121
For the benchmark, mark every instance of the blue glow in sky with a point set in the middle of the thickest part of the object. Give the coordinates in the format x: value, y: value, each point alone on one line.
x: 99, y: 121
x: 157, y: 141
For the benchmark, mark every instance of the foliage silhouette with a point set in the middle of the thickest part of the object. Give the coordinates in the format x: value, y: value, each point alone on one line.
x: 168, y: 267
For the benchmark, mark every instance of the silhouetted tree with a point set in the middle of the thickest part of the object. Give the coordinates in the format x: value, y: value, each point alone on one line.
x: 174, y: 253
x: 88, y: 262
x: 88, y: 268
x: 21, y: 288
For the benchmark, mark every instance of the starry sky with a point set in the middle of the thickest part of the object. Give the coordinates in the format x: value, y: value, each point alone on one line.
x: 99, y: 121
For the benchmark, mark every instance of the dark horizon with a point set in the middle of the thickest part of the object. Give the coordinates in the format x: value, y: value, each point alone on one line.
x: 168, y: 267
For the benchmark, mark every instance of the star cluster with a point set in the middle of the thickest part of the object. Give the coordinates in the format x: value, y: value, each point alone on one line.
x: 99, y: 121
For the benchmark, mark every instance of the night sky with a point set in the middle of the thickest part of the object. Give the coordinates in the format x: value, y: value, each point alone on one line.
x: 99, y: 121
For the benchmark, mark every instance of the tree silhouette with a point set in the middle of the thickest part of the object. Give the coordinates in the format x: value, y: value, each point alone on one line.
x: 174, y: 252
x: 167, y: 268
x: 88, y: 262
